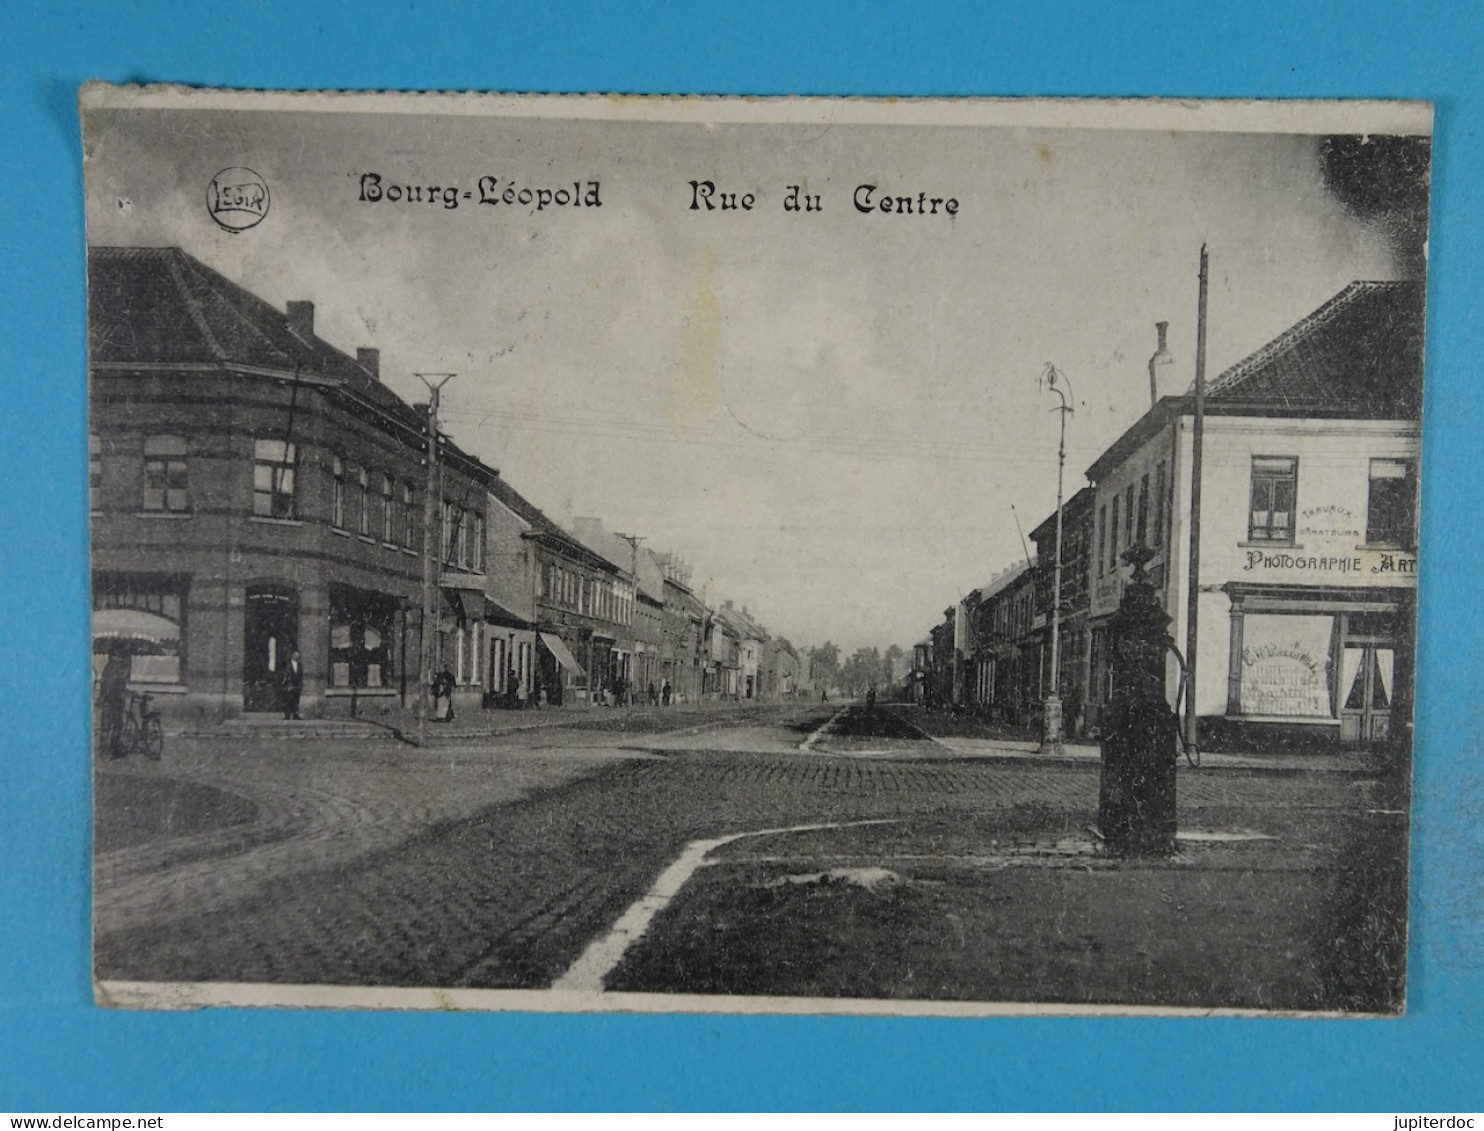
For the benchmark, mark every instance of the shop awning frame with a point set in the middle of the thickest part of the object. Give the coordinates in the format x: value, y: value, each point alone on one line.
x: 558, y: 648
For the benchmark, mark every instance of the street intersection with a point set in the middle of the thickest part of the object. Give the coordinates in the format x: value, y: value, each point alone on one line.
x: 819, y: 850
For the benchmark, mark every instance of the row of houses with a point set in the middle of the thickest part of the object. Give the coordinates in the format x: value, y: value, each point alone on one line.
x: 1306, y: 594
x: 256, y: 492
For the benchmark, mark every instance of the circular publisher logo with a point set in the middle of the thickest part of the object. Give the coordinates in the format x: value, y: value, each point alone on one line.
x: 237, y: 199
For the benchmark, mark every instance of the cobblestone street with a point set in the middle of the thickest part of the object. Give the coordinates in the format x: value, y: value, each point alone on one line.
x: 498, y: 865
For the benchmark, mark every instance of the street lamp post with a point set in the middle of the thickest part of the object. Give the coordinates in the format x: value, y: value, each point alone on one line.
x: 1051, y: 728
x: 633, y: 540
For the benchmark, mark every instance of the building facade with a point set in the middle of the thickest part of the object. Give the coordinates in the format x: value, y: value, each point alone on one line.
x: 1306, y: 611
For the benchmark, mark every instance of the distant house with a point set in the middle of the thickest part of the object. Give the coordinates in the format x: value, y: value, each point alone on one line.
x: 751, y: 638
x: 1009, y: 680
x: 560, y: 607
x: 1075, y: 639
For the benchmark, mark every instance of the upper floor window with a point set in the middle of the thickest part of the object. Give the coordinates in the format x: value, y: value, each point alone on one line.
x: 388, y: 509
x: 273, y: 480
x: 476, y: 548
x: 462, y: 549
x: 1160, y: 503
x: 1113, y: 534
x: 1274, y: 487
x: 95, y: 472
x: 337, y: 498
x: 409, y: 527
x: 1143, y: 511
x: 363, y: 497
x: 165, y: 474
x: 1391, y: 513
x: 1102, y: 537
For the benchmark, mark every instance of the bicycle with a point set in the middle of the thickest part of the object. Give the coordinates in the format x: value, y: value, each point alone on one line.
x: 141, y: 729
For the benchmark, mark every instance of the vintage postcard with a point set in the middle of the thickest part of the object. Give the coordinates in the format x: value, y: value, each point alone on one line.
x: 795, y: 555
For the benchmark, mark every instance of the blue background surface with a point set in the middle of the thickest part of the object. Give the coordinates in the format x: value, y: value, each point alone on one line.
x: 59, y: 1053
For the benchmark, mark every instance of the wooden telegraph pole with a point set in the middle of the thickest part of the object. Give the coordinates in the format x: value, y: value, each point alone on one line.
x: 1193, y: 581
x: 431, y: 513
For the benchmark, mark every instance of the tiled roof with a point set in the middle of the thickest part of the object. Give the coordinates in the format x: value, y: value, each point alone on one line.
x: 741, y: 623
x: 1360, y: 354
x: 1003, y: 580
x: 537, y: 519
x: 158, y: 305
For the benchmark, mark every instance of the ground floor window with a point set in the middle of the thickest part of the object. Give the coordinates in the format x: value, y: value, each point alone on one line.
x: 1312, y: 665
x: 1287, y: 666
x: 362, y: 629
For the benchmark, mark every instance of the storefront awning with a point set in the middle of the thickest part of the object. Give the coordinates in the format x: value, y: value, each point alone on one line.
x: 496, y: 613
x: 133, y: 627
x: 461, y: 606
x: 468, y: 582
x: 558, y: 648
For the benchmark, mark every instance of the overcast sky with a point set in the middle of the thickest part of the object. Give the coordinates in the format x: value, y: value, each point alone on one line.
x: 829, y: 415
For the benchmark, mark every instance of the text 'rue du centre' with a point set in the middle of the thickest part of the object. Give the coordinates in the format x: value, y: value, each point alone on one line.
x: 705, y: 196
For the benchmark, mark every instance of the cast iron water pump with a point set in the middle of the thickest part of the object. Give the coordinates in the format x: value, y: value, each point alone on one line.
x: 1141, y: 735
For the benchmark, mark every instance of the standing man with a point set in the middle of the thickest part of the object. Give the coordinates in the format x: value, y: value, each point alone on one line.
x: 665, y: 693
x: 293, y: 685
x: 113, y: 686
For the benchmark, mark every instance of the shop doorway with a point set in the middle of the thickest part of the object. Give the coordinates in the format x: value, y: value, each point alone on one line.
x: 270, y: 635
x: 1367, y: 683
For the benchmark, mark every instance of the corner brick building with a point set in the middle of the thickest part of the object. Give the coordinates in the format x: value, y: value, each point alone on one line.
x: 255, y: 491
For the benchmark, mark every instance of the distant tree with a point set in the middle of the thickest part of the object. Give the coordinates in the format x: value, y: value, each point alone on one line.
x: 891, y: 665
x: 861, y: 672
x: 825, y: 665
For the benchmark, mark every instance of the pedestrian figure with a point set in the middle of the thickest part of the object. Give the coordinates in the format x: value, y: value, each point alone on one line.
x: 665, y: 693
x: 443, y: 684
x: 292, y: 685
x: 824, y: 696
x: 113, y: 687
x: 654, y: 696
x: 514, y: 692
x: 870, y: 699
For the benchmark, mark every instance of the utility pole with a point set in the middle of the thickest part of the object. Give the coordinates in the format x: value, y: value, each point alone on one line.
x: 1051, y: 722
x: 431, y: 511
x: 1193, y: 582
x: 633, y: 540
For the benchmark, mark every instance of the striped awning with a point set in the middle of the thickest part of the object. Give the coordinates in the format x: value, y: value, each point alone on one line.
x: 134, y: 626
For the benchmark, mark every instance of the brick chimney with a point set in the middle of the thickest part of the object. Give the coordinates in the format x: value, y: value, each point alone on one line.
x: 1161, y: 365
x: 369, y: 360
x: 301, y: 318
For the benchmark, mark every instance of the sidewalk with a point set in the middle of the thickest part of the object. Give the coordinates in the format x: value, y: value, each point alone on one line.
x: 969, y: 737
x: 1090, y: 752
x: 402, y: 725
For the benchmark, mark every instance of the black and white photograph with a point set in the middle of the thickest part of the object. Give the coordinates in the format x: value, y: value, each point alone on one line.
x: 818, y: 555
